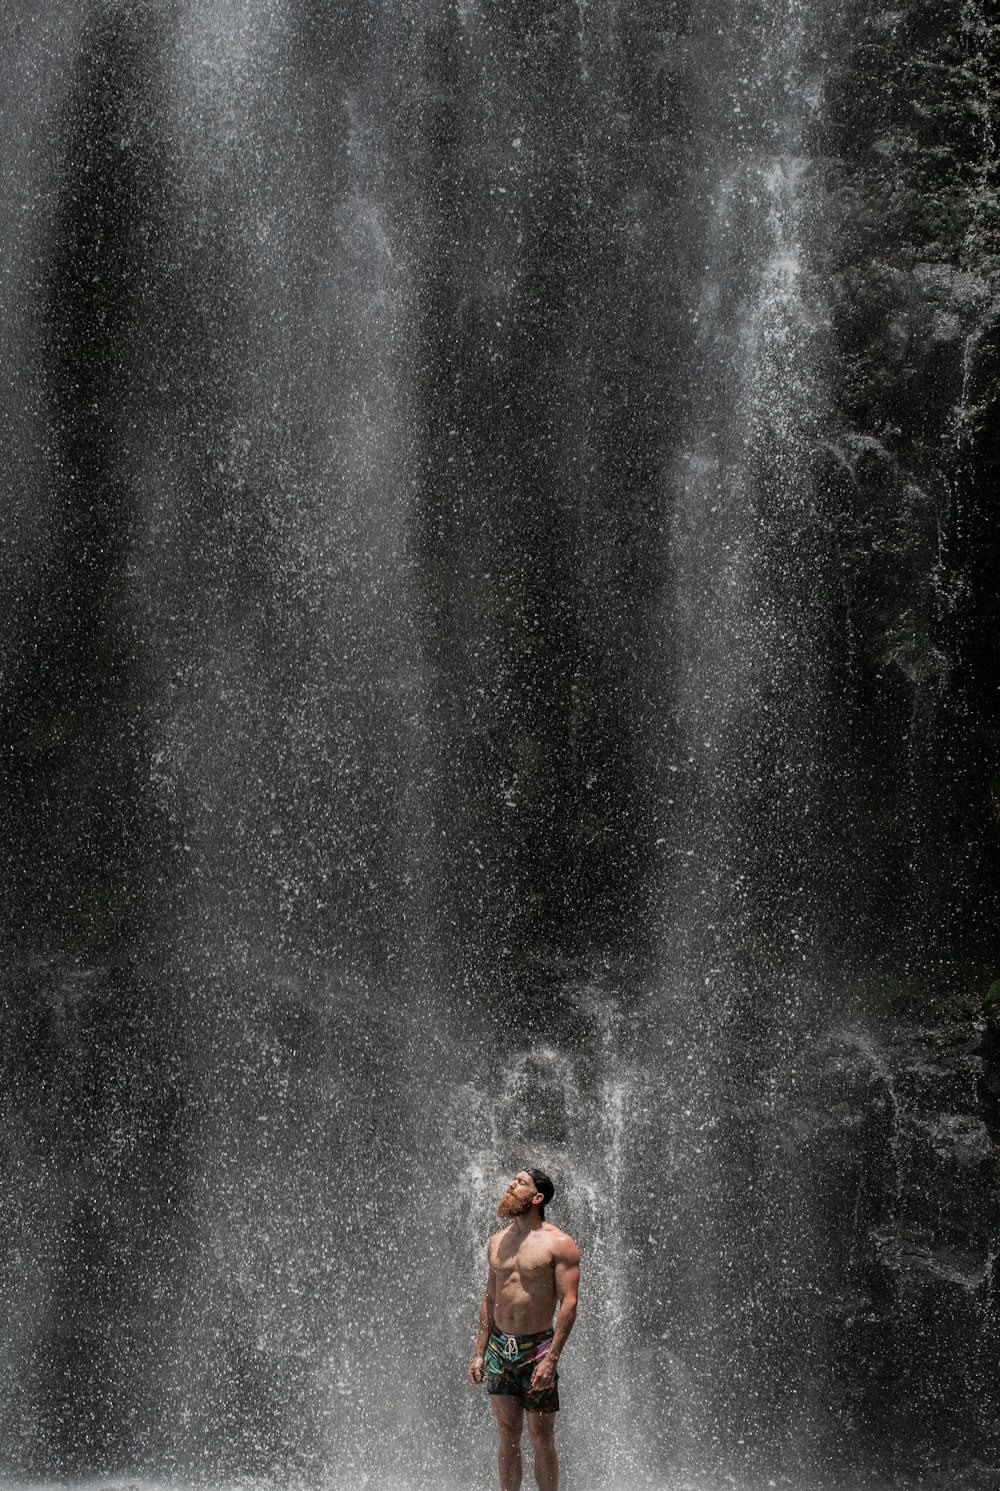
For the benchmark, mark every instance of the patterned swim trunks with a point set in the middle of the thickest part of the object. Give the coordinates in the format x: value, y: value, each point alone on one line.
x: 510, y: 1362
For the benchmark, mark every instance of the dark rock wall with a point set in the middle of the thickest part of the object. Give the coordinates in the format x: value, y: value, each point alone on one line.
x: 910, y: 1166
x: 910, y: 470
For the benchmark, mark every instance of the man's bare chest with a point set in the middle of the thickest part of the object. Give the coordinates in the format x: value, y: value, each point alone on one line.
x: 532, y: 1267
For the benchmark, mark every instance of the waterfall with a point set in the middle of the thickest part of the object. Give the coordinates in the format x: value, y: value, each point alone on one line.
x: 739, y: 993
x: 493, y: 492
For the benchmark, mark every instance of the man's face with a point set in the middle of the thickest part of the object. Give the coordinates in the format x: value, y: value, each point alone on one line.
x: 519, y: 1196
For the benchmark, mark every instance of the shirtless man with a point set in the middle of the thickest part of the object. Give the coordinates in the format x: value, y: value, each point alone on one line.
x: 533, y: 1266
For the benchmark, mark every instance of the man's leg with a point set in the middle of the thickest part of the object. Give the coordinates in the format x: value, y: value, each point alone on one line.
x: 510, y: 1422
x: 542, y: 1428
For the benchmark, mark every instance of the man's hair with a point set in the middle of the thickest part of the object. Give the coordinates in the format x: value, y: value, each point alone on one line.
x: 544, y: 1184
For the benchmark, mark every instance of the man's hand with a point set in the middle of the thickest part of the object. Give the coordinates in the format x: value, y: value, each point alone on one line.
x: 477, y: 1372
x: 544, y: 1375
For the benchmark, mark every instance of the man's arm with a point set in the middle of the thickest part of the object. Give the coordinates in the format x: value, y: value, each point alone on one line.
x: 566, y: 1259
x: 477, y: 1371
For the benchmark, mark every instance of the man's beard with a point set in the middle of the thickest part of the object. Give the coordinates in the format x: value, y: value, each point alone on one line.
x: 511, y: 1207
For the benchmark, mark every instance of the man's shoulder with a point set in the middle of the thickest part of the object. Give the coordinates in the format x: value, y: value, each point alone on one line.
x: 562, y: 1245
x: 495, y: 1237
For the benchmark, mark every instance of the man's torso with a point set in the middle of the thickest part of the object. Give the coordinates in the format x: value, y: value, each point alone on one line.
x: 525, y: 1279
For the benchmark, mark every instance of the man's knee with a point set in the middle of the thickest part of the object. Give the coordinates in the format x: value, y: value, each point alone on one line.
x: 542, y: 1428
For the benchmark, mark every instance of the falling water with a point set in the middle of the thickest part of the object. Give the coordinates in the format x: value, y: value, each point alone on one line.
x: 422, y: 669
x: 738, y: 986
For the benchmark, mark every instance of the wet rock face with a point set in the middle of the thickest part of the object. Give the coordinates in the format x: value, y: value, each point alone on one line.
x: 908, y: 1169
x: 842, y: 1207
x: 908, y: 255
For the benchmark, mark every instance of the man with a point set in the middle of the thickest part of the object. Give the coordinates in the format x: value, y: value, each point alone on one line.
x: 533, y: 1267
